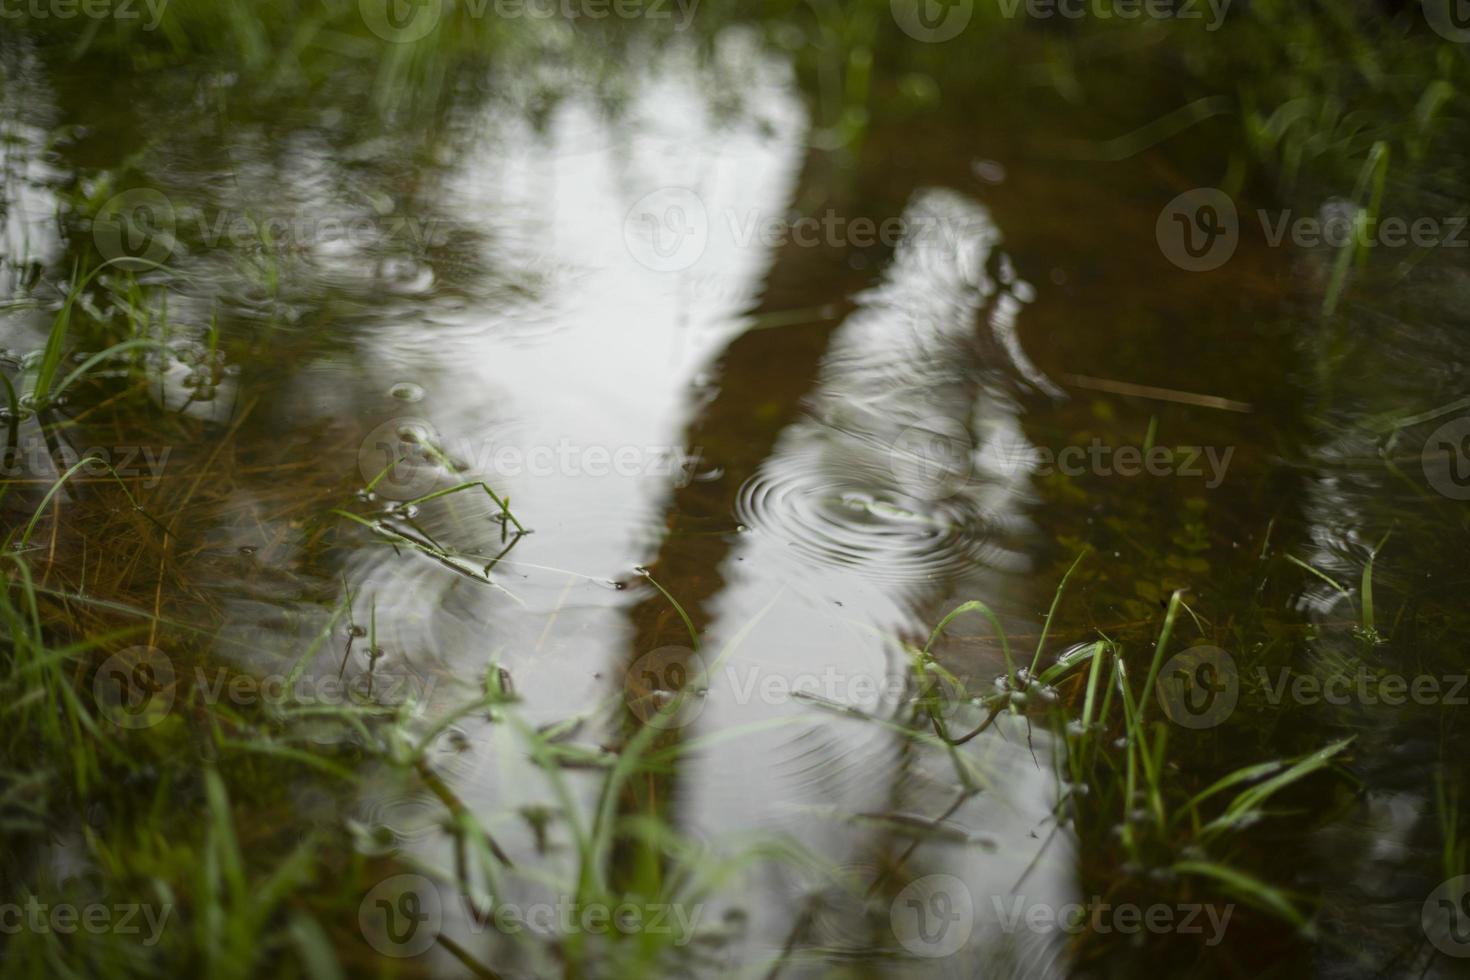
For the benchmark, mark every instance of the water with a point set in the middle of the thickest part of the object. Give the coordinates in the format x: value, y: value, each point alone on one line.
x: 651, y: 305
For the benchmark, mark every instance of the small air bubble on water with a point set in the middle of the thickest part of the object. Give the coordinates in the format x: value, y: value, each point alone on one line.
x: 990, y: 171
x: 407, y: 391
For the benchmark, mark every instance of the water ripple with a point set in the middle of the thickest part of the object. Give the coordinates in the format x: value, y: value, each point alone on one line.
x: 837, y: 521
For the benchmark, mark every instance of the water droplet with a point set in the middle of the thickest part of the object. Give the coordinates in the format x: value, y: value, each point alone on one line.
x: 248, y: 549
x: 990, y: 171
x: 406, y: 391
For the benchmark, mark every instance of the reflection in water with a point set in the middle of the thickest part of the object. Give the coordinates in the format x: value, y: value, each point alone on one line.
x: 558, y: 284
x: 569, y: 398
x: 28, y: 207
x: 854, y: 541
x: 1354, y: 507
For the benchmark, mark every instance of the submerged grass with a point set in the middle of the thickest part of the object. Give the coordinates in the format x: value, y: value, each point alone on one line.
x: 245, y: 894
